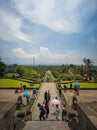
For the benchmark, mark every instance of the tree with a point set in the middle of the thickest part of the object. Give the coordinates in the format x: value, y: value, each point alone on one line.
x: 20, y: 70
x: 2, y: 68
x: 88, y: 66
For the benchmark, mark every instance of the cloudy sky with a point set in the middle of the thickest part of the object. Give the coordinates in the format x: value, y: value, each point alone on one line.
x: 48, y: 31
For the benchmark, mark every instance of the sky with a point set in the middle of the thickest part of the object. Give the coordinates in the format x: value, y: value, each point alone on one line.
x: 48, y: 31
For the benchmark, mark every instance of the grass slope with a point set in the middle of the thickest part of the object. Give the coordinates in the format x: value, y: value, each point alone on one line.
x: 11, y: 83
x: 85, y: 85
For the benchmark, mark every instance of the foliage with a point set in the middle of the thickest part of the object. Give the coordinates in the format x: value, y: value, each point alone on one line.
x: 11, y: 75
x: 2, y: 68
x: 88, y: 66
x: 60, y: 72
x: 20, y: 70
x: 49, y: 78
x: 41, y: 70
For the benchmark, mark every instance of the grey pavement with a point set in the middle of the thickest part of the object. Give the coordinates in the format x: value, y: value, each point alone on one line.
x: 46, y: 125
x: 10, y: 95
x: 84, y: 96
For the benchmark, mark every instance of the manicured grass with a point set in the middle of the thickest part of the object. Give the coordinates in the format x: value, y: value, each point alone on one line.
x: 84, y: 85
x: 11, y: 83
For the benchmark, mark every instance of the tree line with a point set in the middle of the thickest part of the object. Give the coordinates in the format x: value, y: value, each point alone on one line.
x: 60, y: 72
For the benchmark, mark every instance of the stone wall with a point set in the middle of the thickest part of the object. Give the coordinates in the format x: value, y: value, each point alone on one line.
x: 84, y: 122
x: 87, y: 118
x: 7, y: 116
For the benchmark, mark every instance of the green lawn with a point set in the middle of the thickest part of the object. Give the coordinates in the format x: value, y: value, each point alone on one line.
x: 11, y: 83
x: 85, y: 85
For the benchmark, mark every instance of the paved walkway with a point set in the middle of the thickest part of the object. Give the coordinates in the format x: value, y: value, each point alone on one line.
x: 53, y: 92
x: 50, y: 123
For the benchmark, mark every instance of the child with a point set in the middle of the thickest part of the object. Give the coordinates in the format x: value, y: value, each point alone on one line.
x: 57, y: 112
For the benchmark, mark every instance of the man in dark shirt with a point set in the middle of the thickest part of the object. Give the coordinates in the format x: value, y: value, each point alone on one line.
x: 42, y: 112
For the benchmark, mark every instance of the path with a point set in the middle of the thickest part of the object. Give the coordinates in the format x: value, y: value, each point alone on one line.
x: 53, y: 92
x: 51, y: 123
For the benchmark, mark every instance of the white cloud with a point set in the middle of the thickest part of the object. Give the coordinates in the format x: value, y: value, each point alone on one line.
x: 23, y: 55
x: 10, y: 27
x: 48, y: 55
x: 45, y: 56
x: 60, y: 16
x: 45, y: 51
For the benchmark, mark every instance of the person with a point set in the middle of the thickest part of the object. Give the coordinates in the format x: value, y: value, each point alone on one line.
x: 65, y: 87
x: 21, y: 87
x: 42, y: 112
x: 60, y: 90
x: 24, y: 87
x: 34, y: 92
x: 28, y: 99
x: 45, y: 96
x: 78, y: 89
x: 57, y: 112
x: 19, y: 102
x: 75, y: 89
x: 48, y: 96
x: 70, y: 86
x: 17, y: 90
x: 64, y: 113
x: 47, y: 108
x: 74, y: 102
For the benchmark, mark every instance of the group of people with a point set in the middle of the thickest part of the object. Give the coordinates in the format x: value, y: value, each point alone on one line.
x: 21, y: 89
x: 64, y: 87
x: 44, y: 110
x: 28, y: 97
x: 60, y: 88
x: 58, y: 113
x: 34, y: 95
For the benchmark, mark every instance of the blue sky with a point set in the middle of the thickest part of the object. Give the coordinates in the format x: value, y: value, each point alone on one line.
x: 49, y: 31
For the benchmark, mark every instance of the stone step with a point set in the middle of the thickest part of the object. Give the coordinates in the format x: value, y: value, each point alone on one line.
x: 46, y: 125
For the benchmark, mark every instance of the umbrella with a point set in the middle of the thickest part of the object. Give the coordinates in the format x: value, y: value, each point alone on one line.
x: 26, y: 94
x: 55, y: 102
x: 77, y: 84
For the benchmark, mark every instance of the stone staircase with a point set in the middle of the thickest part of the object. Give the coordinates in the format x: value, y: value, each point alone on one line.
x: 50, y: 123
